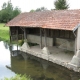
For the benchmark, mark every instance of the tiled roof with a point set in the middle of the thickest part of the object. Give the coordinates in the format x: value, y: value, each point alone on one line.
x: 56, y: 19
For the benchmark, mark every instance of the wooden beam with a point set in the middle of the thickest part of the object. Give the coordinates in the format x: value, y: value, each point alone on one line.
x: 40, y: 38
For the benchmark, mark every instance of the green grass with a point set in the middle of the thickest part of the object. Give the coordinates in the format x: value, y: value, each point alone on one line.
x: 4, y: 32
x: 19, y: 77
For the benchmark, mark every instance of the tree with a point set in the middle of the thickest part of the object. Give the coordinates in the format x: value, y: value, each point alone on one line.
x: 8, y: 12
x: 39, y: 9
x: 3, y: 16
x: 61, y: 4
x: 16, y: 11
x: 32, y: 10
x: 4, y: 5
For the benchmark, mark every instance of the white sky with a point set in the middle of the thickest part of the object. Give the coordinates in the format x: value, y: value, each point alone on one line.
x: 27, y: 5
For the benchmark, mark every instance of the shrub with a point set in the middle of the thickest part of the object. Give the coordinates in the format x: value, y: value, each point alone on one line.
x: 18, y: 77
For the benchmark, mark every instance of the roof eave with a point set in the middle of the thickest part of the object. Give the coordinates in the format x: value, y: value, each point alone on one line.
x: 75, y: 28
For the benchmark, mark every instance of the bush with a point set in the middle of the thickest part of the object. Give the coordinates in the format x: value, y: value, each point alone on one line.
x: 19, y: 77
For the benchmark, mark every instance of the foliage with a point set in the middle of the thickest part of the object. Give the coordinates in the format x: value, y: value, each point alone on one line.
x: 16, y: 11
x: 19, y: 77
x: 4, y: 32
x: 32, y: 10
x: 8, y: 12
x: 20, y: 42
x: 39, y: 9
x: 61, y: 4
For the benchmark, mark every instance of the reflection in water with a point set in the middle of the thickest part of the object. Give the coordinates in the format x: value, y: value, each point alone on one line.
x: 6, y: 45
x: 5, y: 60
x: 35, y: 69
x: 38, y: 70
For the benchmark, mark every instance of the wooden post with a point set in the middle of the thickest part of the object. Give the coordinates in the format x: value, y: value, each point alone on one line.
x: 45, y: 50
x: 40, y: 38
x: 10, y: 34
x: 17, y: 39
x: 10, y: 47
x: 45, y: 37
x: 69, y: 34
x: 52, y: 33
x: 54, y: 38
x: 25, y: 35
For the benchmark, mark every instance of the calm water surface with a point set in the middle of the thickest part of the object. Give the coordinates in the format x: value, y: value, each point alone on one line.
x: 5, y: 59
x: 10, y: 65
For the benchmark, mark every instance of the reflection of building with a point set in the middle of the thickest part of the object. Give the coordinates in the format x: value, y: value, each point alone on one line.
x: 55, y: 35
x: 35, y: 70
x: 13, y: 50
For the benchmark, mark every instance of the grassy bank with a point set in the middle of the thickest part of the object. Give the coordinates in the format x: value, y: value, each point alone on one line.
x: 4, y: 32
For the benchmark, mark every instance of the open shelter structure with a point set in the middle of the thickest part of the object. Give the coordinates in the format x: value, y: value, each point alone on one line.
x: 55, y: 35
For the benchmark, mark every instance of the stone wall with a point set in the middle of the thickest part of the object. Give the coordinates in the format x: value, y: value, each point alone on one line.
x: 61, y: 43
x: 36, y: 39
x: 66, y: 44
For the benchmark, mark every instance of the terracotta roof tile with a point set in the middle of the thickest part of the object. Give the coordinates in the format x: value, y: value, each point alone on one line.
x: 56, y: 19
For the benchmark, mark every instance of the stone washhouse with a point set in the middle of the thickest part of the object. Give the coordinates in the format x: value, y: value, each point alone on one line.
x: 50, y: 35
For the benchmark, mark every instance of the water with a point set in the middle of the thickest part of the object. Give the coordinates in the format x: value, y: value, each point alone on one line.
x: 10, y: 65
x: 5, y: 59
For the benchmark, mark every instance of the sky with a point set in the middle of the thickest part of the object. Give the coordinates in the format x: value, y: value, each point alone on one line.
x: 27, y: 5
